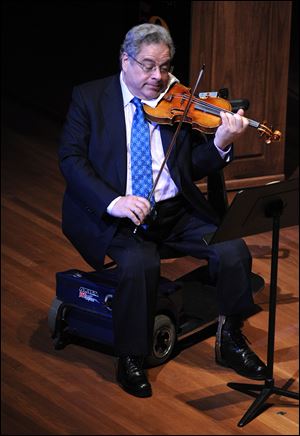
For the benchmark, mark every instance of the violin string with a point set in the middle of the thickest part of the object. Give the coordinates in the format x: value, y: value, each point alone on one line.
x: 215, y: 110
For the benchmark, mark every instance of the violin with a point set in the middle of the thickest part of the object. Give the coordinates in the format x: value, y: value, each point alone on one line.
x: 203, y: 113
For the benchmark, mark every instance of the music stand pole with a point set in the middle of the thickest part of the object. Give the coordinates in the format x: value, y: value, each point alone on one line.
x: 274, y: 209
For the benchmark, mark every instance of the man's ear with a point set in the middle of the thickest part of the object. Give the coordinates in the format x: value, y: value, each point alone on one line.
x: 124, y: 61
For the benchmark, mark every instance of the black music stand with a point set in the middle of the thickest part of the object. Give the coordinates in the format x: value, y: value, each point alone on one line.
x: 253, y: 211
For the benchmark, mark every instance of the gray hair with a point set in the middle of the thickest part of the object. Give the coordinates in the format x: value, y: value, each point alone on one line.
x: 146, y: 34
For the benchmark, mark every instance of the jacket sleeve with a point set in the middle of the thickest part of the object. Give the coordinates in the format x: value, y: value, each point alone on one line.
x: 205, y: 156
x: 83, y: 183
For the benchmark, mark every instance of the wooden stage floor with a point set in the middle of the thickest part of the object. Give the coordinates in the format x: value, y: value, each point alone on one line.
x: 73, y: 391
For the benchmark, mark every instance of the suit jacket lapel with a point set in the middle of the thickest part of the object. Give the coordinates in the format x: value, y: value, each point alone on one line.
x: 112, y: 109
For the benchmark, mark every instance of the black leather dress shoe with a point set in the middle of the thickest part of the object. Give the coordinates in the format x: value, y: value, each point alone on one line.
x: 132, y: 378
x: 233, y: 352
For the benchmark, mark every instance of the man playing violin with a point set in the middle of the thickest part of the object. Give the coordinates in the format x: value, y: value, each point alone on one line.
x: 105, y: 214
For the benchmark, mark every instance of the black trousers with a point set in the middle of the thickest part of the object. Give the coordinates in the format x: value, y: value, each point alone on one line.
x: 178, y: 226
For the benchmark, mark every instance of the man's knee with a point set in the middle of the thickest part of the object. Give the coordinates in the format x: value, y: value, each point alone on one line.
x: 240, y: 248
x: 231, y: 253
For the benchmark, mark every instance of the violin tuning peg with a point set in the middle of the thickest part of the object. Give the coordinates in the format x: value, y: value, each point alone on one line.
x: 276, y: 135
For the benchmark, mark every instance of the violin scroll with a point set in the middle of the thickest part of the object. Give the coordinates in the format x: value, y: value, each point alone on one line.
x: 271, y: 135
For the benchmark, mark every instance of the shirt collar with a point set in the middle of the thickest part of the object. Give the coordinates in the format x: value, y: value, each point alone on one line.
x: 127, y: 96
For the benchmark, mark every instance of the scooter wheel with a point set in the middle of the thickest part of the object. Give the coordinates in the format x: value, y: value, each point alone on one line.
x: 164, y: 339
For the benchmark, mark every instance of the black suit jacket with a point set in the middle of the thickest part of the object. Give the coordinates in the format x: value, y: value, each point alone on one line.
x: 93, y: 160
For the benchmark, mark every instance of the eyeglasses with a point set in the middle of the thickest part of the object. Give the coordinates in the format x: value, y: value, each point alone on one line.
x: 150, y: 67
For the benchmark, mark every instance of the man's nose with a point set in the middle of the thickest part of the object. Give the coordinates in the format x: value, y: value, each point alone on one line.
x: 156, y: 73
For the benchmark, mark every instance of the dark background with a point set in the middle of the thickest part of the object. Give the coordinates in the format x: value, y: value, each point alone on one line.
x: 50, y: 46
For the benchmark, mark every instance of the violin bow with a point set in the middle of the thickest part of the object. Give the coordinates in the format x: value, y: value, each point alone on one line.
x: 171, y: 145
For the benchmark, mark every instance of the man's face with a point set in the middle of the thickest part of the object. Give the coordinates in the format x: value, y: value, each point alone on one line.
x: 143, y: 84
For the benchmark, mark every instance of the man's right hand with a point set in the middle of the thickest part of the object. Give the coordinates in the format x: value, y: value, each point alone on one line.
x: 132, y: 207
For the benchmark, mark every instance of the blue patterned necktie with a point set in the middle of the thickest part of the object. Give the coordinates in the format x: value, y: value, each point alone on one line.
x: 141, y: 162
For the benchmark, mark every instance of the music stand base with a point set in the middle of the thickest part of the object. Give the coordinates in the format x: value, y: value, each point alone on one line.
x: 265, y: 391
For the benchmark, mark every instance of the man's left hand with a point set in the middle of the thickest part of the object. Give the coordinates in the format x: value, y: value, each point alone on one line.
x: 232, y: 127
